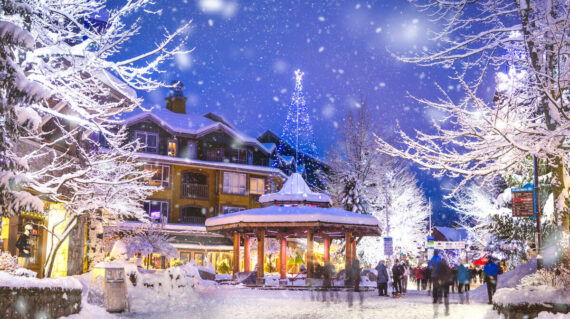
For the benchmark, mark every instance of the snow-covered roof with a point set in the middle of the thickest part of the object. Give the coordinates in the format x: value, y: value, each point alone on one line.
x: 189, y: 123
x: 287, y: 159
x: 270, y: 146
x: 208, y: 164
x: 452, y: 234
x: 295, y: 190
x: 293, y: 214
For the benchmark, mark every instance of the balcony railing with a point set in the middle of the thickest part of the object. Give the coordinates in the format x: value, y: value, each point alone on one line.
x: 194, y: 190
x: 196, y: 220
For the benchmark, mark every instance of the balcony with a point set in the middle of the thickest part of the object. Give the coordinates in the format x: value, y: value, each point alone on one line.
x: 194, y: 191
x: 195, y: 220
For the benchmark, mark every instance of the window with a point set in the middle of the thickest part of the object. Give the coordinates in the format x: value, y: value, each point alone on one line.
x: 241, y: 156
x: 150, y: 140
x: 231, y: 209
x: 234, y: 183
x: 257, y: 186
x: 215, y: 154
x: 161, y: 175
x: 193, y: 215
x: 156, y: 209
x: 192, y: 150
x: 172, y: 147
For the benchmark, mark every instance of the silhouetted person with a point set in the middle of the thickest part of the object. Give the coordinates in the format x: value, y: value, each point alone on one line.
x: 433, y: 264
x: 444, y: 280
x: 491, y: 271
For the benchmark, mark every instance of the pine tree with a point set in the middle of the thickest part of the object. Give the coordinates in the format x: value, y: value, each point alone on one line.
x: 298, y: 122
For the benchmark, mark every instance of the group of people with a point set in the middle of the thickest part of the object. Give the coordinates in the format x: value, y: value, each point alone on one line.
x: 400, y: 273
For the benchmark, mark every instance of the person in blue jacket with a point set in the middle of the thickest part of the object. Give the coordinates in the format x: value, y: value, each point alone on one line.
x: 382, y: 279
x: 433, y: 271
x: 464, y: 280
x: 491, y: 271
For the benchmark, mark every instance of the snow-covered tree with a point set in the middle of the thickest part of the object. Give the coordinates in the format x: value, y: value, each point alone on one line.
x: 61, y: 87
x: 355, y: 163
x: 528, y: 117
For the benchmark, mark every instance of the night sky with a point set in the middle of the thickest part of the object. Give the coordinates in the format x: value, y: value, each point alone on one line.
x: 245, y: 53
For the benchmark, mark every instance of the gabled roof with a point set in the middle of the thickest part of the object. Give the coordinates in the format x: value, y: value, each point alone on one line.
x: 295, y: 190
x: 452, y: 234
x: 189, y: 124
x: 269, y: 135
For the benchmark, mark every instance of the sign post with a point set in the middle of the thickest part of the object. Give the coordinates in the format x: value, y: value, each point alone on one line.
x: 430, y: 247
x: 388, y: 246
x: 523, y: 201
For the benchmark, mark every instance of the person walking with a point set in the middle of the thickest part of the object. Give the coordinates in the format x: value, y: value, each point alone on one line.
x: 356, y: 274
x: 406, y: 274
x: 433, y: 264
x: 491, y: 271
x: 444, y: 280
x: 418, y: 274
x: 454, y: 283
x: 464, y: 281
x: 382, y: 279
x: 397, y: 274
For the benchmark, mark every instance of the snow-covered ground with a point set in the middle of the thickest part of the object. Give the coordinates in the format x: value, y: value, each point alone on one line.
x: 234, y: 302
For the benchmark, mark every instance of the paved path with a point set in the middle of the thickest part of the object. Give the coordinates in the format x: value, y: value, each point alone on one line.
x: 233, y: 303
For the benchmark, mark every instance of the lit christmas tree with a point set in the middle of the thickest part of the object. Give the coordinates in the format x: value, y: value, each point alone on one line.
x: 297, y: 129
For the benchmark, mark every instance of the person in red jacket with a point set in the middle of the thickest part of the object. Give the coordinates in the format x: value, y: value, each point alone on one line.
x: 418, y: 274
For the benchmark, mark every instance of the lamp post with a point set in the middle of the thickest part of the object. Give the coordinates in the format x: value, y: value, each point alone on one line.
x: 539, y: 260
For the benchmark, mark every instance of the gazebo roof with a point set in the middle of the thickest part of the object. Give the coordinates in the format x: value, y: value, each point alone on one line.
x: 295, y: 190
x: 292, y: 218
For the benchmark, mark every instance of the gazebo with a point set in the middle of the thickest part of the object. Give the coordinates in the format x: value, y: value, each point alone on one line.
x: 293, y: 212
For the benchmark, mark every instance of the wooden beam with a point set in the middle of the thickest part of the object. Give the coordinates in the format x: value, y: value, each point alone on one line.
x: 327, y: 249
x: 353, y: 250
x: 260, y: 255
x: 246, y: 258
x: 235, y: 266
x: 310, y: 256
x: 283, y: 258
x: 347, y: 251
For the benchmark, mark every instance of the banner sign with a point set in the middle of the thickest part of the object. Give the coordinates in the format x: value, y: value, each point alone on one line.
x: 449, y: 245
x: 430, y: 240
x: 523, y: 201
x: 388, y: 246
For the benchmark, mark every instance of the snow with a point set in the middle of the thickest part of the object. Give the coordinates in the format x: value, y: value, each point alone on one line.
x: 7, y: 280
x: 295, y: 190
x: 509, y: 279
x: 277, y: 214
x: 189, y: 123
x: 531, y: 295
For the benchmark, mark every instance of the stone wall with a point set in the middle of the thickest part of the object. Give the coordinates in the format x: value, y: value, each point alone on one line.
x: 48, y: 303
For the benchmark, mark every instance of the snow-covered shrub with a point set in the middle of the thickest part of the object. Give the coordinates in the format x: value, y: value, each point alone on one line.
x: 558, y: 277
x: 8, y: 263
x: 23, y: 272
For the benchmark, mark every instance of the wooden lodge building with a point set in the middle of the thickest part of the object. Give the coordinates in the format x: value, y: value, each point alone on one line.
x: 206, y: 168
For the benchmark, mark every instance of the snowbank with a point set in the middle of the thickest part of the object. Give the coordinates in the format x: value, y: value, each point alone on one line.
x: 510, y: 279
x: 531, y: 295
x: 8, y: 280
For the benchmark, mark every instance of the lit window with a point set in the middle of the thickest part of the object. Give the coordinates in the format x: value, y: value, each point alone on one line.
x: 234, y: 183
x: 156, y: 209
x: 257, y: 186
x: 149, y: 140
x: 241, y: 156
x: 231, y: 209
x: 172, y: 147
x: 161, y: 175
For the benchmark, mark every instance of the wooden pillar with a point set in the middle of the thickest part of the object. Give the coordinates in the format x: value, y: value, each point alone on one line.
x: 347, y: 251
x: 235, y: 264
x: 353, y: 250
x: 310, y: 256
x: 260, y: 255
x: 327, y: 249
x: 246, y: 259
x: 283, y: 258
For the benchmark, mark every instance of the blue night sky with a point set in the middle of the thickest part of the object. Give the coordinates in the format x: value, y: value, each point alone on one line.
x: 245, y: 53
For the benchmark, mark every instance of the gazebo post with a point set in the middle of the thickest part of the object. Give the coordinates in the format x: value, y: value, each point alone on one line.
x: 310, y: 256
x: 246, y: 258
x: 327, y: 249
x: 235, y: 265
x: 260, y: 256
x: 283, y: 258
x: 353, y: 249
x: 347, y: 251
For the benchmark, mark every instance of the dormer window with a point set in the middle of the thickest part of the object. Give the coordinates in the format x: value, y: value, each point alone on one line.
x: 241, y: 156
x: 172, y: 147
x: 149, y: 140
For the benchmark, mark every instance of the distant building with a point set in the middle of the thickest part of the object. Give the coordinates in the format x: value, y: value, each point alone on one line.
x: 441, y: 233
x: 311, y: 168
x: 207, y: 168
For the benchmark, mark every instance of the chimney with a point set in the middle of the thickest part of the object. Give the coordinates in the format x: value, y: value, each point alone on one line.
x: 176, y: 101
